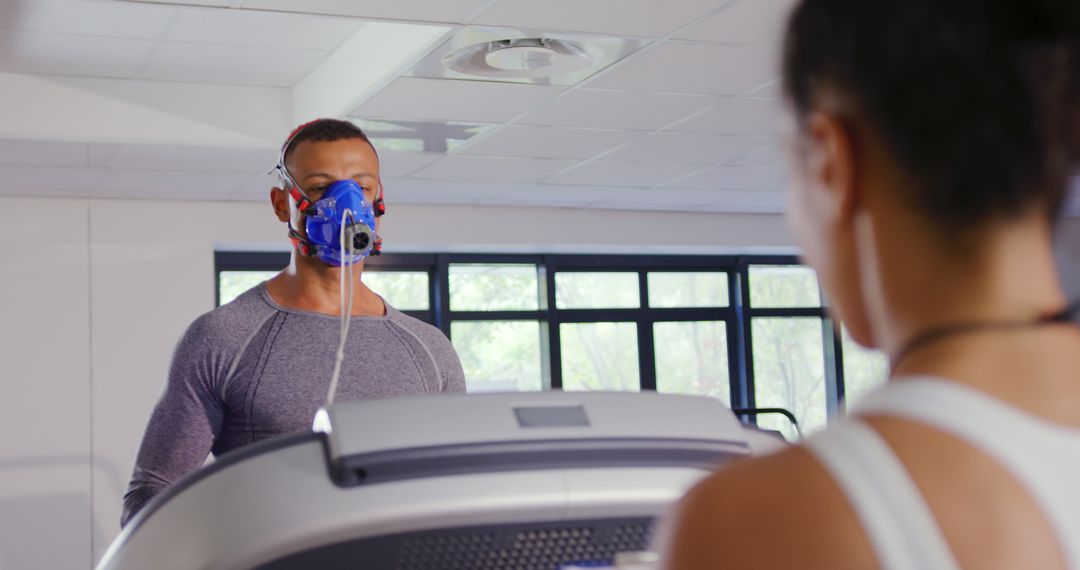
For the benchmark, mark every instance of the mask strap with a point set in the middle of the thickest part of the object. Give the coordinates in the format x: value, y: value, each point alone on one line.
x: 307, y: 207
x: 302, y: 245
x: 379, y: 206
x: 303, y: 203
x: 380, y: 209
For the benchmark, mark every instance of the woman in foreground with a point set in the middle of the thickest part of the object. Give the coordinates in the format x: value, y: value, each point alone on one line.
x: 932, y: 142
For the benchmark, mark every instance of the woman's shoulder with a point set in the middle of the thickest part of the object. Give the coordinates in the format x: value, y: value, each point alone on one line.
x: 782, y: 510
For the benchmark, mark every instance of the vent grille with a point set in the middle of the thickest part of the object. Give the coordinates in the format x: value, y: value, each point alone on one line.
x: 537, y: 548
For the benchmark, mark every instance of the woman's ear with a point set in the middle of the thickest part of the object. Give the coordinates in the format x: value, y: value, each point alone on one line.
x: 831, y: 162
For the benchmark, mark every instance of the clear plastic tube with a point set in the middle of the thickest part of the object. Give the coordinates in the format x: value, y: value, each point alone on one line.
x: 346, y: 307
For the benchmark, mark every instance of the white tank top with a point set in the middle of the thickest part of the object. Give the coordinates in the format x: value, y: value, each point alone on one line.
x: 1043, y: 457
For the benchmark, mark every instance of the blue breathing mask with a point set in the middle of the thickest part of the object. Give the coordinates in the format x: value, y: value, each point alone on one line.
x: 343, y: 204
x: 343, y: 201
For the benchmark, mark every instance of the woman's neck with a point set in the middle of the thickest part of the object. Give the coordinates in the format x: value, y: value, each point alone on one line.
x: 1010, y: 277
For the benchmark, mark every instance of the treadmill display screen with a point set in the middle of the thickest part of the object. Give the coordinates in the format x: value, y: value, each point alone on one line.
x: 551, y: 416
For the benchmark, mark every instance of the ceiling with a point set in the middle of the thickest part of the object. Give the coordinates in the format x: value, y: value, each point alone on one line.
x: 191, y: 99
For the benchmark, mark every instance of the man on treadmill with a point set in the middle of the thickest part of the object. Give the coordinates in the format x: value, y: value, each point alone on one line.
x: 260, y: 366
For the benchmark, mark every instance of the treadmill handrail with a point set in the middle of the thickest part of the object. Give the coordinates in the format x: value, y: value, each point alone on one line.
x: 500, y: 456
x: 219, y: 464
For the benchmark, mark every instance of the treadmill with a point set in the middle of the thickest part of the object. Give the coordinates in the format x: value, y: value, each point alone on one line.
x: 517, y: 481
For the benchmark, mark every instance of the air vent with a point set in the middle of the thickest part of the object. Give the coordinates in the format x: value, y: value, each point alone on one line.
x: 520, y: 58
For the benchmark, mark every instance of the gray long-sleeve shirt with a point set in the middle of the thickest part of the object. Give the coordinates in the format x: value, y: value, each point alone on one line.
x: 252, y: 369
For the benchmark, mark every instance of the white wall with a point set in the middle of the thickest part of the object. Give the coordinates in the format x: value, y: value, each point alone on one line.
x: 45, y: 445
x: 97, y: 292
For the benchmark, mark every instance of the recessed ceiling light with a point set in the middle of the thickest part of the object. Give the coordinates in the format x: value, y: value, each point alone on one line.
x: 509, y: 55
x: 522, y: 57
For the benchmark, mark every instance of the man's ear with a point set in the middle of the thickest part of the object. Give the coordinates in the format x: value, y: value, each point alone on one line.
x: 832, y: 163
x: 279, y: 199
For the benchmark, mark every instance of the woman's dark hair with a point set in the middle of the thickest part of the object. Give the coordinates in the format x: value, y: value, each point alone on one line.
x: 978, y: 101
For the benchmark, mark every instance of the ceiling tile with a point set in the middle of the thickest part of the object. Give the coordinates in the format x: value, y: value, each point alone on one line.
x: 687, y: 147
x: 398, y: 164
x: 83, y: 17
x: 255, y: 188
x: 663, y: 197
x: 64, y: 54
x: 439, y: 137
x: 456, y: 11
x: 419, y: 191
x: 772, y: 156
x: 755, y: 22
x: 177, y: 185
x: 234, y: 65
x: 204, y: 159
x: 608, y: 109
x: 43, y: 153
x: 734, y: 178
x: 267, y: 29
x: 249, y: 198
x: 492, y: 169
x: 664, y: 206
x: 44, y: 192
x: 647, y: 18
x: 543, y: 142
x: 680, y: 67
x: 771, y: 90
x: 726, y: 198
x: 552, y: 196
x: 736, y: 116
x: 37, y: 179
x: 623, y: 174
x: 101, y: 155
x: 209, y: 3
x: 450, y: 100
x: 762, y: 201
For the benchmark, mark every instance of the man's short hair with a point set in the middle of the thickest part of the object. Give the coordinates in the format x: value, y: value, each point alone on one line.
x: 324, y: 130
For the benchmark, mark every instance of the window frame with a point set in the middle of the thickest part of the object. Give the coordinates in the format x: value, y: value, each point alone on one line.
x: 737, y: 316
x: 277, y: 260
x: 831, y: 339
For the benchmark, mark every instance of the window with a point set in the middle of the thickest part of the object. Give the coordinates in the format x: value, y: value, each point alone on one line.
x: 783, y: 286
x: 499, y: 356
x: 673, y: 290
x: 494, y: 323
x: 789, y: 371
x: 404, y: 290
x: 493, y: 287
x: 864, y: 370
x: 600, y: 356
x: 789, y: 335
x: 232, y: 283
x: 749, y: 331
x: 692, y: 358
x: 579, y: 290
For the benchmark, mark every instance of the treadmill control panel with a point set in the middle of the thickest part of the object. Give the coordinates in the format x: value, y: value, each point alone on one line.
x: 551, y: 416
